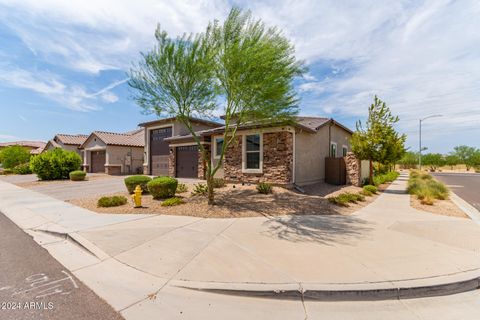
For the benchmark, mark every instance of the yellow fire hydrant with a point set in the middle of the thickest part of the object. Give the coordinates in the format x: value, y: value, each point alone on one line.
x: 137, y: 197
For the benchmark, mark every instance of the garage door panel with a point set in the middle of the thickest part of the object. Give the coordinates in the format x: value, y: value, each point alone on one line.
x: 159, y: 151
x: 160, y: 165
x: 187, y: 162
x: 98, y: 161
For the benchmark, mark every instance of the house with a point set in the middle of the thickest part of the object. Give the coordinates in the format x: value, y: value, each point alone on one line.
x: 70, y: 142
x: 114, y: 153
x: 35, y: 147
x: 157, y: 160
x: 275, y: 153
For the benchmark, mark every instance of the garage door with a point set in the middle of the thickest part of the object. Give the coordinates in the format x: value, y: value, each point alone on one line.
x: 187, y: 162
x: 98, y: 161
x: 159, y: 151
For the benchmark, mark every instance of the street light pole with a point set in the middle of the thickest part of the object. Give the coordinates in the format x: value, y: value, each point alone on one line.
x: 420, y: 138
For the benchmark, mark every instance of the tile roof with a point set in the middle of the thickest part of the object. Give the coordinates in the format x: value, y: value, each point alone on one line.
x: 192, y: 119
x: 33, y: 144
x: 135, y: 138
x: 72, y: 139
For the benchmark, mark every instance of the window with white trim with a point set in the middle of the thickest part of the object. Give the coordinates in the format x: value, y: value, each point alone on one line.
x: 333, y: 150
x: 344, y: 151
x: 252, y: 151
x: 218, y: 147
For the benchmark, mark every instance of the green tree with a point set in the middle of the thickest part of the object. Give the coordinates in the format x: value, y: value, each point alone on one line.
x: 242, y: 62
x: 466, y: 154
x: 378, y: 140
x: 12, y: 156
x: 452, y: 160
x: 409, y: 160
x: 433, y: 160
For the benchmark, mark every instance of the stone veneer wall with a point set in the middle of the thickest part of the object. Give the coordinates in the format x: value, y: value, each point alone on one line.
x: 202, y: 165
x: 172, y: 162
x: 353, y: 167
x: 277, y: 160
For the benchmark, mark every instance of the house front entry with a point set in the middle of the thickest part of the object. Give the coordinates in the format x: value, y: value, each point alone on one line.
x: 187, y: 162
x: 98, y: 159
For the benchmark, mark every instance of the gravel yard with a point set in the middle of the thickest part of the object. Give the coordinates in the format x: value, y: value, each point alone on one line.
x: 441, y: 207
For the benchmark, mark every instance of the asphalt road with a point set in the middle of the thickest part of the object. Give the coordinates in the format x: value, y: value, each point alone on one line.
x: 33, y: 285
x: 465, y: 185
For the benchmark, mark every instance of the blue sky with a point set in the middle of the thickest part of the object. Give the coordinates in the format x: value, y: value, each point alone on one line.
x: 63, y: 63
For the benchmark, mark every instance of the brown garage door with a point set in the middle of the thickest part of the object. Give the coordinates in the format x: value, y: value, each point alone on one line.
x: 159, y: 151
x: 187, y: 162
x: 98, y: 161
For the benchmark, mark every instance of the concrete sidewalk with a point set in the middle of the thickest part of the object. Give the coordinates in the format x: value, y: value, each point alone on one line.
x: 385, y: 245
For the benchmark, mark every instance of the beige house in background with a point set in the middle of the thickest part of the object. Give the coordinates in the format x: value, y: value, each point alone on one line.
x: 275, y: 153
x: 114, y: 153
x: 70, y: 142
x: 35, y: 147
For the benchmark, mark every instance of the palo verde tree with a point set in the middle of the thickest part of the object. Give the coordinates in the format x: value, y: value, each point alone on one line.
x: 378, y: 140
x: 244, y: 63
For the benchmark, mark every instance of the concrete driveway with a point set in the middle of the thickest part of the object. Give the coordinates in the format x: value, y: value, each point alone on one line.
x: 96, y: 185
x: 465, y: 185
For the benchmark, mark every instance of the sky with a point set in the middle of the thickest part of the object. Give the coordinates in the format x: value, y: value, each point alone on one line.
x: 63, y: 64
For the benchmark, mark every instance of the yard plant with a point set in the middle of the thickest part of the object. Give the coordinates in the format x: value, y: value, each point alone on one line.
x: 77, y: 175
x: 343, y: 199
x: 264, y: 188
x: 241, y: 64
x: 218, y: 183
x: 133, y: 181
x: 426, y: 188
x: 174, y: 201
x: 162, y: 187
x: 382, y: 178
x: 23, y: 168
x: 181, y: 188
x: 12, y: 156
x: 370, y: 189
x: 113, y: 201
x: 200, y: 189
x: 55, y: 164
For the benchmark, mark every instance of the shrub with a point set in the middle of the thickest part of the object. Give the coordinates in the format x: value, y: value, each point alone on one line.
x: 340, y: 201
x: 114, y: 201
x: 77, y: 175
x: 218, y: 183
x: 369, y: 188
x: 55, y: 164
x: 23, y: 168
x: 264, y: 188
x: 133, y: 181
x: 162, y: 187
x: 344, y: 198
x: 7, y: 171
x: 384, y: 178
x: 426, y: 188
x: 200, y: 189
x: 175, y: 201
x: 181, y: 188
x: 365, y: 193
x: 12, y: 156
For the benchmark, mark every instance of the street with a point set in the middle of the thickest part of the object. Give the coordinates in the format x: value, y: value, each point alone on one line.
x: 33, y: 285
x: 465, y: 185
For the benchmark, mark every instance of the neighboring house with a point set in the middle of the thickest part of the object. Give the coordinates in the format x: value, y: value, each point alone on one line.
x: 35, y: 147
x: 70, y: 142
x: 114, y: 153
x: 280, y: 154
x: 157, y: 156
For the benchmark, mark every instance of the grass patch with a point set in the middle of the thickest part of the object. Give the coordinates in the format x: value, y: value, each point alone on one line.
x: 170, y: 202
x: 426, y: 188
x: 343, y: 199
x: 114, y: 201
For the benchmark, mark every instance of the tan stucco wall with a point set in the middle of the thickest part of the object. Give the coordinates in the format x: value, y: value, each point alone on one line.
x: 311, y: 149
x: 117, y: 155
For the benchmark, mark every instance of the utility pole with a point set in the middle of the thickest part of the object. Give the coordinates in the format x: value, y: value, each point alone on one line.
x: 420, y: 138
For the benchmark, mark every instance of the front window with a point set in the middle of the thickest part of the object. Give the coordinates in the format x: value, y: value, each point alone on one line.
x: 333, y: 150
x: 218, y: 147
x: 252, y: 151
x: 344, y: 151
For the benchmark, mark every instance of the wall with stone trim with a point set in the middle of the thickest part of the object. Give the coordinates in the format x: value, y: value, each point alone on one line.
x: 353, y: 168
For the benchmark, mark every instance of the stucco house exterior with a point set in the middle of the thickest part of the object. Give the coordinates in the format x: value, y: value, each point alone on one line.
x: 114, y: 153
x: 70, y: 142
x: 275, y: 153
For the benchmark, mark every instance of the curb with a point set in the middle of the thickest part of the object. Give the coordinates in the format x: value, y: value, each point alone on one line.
x: 395, y: 290
x: 466, y: 207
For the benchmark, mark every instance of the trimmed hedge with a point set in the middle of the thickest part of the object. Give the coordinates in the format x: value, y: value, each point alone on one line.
x: 114, y: 201
x: 162, y: 187
x: 132, y: 182
x: 77, y: 175
x: 55, y: 164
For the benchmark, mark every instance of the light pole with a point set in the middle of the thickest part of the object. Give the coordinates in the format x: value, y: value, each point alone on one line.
x: 420, y: 138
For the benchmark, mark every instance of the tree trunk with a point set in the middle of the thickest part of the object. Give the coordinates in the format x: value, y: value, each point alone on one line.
x: 211, y: 196
x: 370, y: 176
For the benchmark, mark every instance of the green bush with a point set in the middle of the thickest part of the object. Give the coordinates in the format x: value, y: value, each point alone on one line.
x: 200, y: 189
x: 114, y: 201
x: 162, y: 187
x: 77, y: 175
x: 133, y: 181
x: 218, y: 183
x: 344, y: 198
x: 181, y: 188
x: 12, y: 156
x: 371, y: 189
x: 426, y: 188
x: 8, y: 171
x: 23, y: 168
x: 172, y: 202
x: 55, y: 164
x: 264, y: 188
x: 385, y: 177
